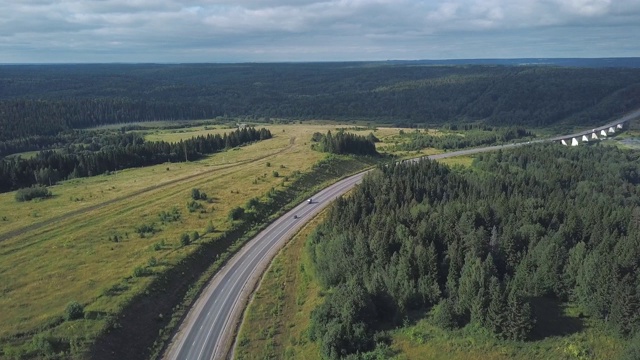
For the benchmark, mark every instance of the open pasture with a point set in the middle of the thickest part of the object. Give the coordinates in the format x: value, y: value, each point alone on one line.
x: 99, y: 240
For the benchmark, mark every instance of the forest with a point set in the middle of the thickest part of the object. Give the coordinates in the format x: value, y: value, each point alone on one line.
x: 345, y: 143
x: 41, y: 100
x: 476, y: 246
x: 475, y: 136
x: 100, y: 152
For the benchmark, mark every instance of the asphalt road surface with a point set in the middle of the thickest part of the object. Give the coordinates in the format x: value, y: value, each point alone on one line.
x: 208, y: 330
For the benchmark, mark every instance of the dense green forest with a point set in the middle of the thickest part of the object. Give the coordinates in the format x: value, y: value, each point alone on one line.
x: 345, y: 143
x: 47, y: 99
x: 99, y: 152
x: 477, y: 245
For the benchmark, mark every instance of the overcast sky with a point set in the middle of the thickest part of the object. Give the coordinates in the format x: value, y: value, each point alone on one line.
x: 36, y: 31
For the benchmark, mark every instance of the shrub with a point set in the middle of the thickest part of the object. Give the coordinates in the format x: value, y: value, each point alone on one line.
x: 193, y: 206
x: 42, y: 345
x: 195, y: 236
x: 276, y: 174
x: 184, y: 239
x: 444, y: 316
x: 141, y: 271
x: 196, y: 194
x: 146, y: 228
x: 36, y: 192
x: 210, y: 227
x: 632, y: 351
x: 74, y: 310
x: 170, y: 216
x: 253, y: 203
x: 236, y: 213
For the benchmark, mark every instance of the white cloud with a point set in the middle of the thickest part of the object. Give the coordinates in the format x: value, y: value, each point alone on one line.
x: 220, y: 30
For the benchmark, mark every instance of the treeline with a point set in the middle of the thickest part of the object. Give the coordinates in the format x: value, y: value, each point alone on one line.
x: 115, y: 152
x: 345, y: 143
x: 44, y: 100
x: 417, y: 140
x: 479, y: 247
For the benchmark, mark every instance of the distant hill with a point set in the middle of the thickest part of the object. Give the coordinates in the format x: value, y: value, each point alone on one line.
x: 45, y: 99
x: 628, y: 62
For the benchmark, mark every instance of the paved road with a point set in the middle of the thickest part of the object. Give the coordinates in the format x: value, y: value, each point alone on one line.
x: 208, y: 330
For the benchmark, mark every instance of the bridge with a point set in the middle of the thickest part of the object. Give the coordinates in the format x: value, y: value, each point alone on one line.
x: 599, y: 133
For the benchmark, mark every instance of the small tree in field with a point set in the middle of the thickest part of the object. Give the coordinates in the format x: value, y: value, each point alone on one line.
x: 236, y: 213
x: 185, y: 239
x: 74, y: 310
x: 210, y: 227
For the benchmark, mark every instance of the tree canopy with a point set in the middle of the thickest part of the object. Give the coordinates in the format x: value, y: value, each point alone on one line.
x: 480, y: 243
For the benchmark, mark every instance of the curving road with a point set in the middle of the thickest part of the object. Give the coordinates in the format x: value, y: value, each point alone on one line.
x: 208, y: 330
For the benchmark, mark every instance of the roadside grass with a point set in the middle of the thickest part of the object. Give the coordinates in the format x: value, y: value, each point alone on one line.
x: 276, y: 321
x: 558, y: 338
x: 464, y: 161
x: 79, y: 259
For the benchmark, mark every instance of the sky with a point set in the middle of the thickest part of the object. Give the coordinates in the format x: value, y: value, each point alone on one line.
x: 183, y: 31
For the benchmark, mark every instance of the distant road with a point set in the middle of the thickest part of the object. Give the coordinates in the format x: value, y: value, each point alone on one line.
x: 209, y: 328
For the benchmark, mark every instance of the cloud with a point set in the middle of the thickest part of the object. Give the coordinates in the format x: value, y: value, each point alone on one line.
x: 254, y: 30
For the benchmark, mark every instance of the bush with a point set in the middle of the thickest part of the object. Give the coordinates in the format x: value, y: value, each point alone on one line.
x: 195, y: 236
x: 170, y: 216
x: 152, y: 261
x: 141, y: 271
x: 74, y: 310
x: 194, y: 206
x: 444, y: 316
x: 36, y: 192
x: 196, y: 194
x: 632, y: 351
x: 276, y: 174
x: 185, y: 239
x: 42, y: 345
x: 210, y: 227
x: 146, y: 228
x: 236, y: 213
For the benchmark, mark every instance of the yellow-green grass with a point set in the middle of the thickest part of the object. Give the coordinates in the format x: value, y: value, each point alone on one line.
x: 24, y: 155
x: 157, y: 124
x: 73, y: 258
x: 183, y: 134
x: 426, y: 341
x: 464, y: 161
x: 275, y: 323
x: 175, y: 135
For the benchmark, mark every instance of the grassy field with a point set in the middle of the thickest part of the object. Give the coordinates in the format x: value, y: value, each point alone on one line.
x: 567, y: 337
x: 275, y: 322
x: 92, y: 247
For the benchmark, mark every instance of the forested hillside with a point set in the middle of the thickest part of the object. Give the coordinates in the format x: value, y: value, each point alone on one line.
x: 478, y: 245
x: 46, y: 99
